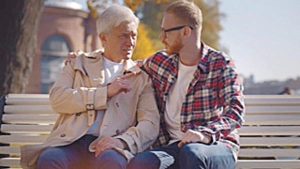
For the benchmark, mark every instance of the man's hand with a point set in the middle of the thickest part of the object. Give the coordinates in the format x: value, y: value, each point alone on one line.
x: 107, y: 143
x: 71, y: 56
x: 139, y: 63
x: 121, y: 84
x: 192, y: 136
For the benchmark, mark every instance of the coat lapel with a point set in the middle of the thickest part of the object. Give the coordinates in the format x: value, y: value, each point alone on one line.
x: 130, y: 66
x: 91, y: 65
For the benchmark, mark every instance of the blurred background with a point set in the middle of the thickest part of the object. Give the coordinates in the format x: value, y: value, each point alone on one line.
x: 262, y: 36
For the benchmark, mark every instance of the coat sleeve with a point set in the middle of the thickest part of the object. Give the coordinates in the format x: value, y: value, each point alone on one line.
x: 64, y: 98
x: 142, y: 136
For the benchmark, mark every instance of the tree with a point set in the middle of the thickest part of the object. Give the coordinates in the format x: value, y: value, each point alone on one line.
x: 133, y: 4
x: 144, y: 46
x: 96, y: 7
x: 211, y: 22
x: 19, y: 22
x: 152, y: 12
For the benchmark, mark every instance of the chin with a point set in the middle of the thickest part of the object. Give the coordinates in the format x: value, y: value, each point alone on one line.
x: 170, y: 52
x: 126, y: 57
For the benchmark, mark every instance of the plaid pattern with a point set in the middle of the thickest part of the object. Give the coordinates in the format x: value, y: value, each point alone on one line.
x: 214, y: 101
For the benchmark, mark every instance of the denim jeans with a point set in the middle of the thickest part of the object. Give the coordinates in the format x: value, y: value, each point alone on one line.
x: 77, y: 156
x: 190, y: 156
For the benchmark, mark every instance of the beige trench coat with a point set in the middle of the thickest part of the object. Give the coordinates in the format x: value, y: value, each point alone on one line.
x: 79, y: 93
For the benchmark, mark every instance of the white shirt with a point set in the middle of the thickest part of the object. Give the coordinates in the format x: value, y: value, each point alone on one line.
x: 112, y: 71
x: 176, y: 98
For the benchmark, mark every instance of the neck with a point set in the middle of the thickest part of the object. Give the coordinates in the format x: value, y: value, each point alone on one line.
x: 112, y: 58
x: 190, y: 54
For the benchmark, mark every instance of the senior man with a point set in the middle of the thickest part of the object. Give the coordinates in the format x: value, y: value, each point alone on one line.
x: 106, y: 104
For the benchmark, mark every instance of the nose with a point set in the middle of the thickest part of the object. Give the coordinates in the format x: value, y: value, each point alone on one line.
x: 162, y: 36
x: 130, y: 41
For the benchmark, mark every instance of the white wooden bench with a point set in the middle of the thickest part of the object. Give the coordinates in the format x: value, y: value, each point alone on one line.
x: 270, y: 137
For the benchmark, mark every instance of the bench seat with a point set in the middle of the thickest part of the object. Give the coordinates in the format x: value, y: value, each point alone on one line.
x: 270, y: 137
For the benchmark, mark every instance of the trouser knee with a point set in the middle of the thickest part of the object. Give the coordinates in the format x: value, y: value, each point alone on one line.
x: 189, y: 158
x: 111, y: 159
x: 146, y: 160
x: 200, y: 156
x: 51, y: 159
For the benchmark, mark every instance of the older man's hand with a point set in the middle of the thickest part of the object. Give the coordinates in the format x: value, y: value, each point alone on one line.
x: 121, y: 84
x: 107, y: 143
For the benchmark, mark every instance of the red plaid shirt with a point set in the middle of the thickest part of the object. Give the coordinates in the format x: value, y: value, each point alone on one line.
x: 214, y: 101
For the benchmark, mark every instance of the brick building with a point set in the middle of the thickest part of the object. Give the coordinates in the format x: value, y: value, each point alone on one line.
x: 64, y: 27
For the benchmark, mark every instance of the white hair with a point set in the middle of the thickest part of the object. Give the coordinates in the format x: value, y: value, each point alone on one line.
x: 113, y: 16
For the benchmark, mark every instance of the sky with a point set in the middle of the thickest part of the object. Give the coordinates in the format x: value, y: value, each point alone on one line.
x: 262, y: 36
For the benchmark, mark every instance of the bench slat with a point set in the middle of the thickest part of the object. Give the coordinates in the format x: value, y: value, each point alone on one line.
x: 270, y: 152
x: 270, y: 130
x: 12, y: 128
x: 30, y: 118
x: 22, y: 139
x: 28, y: 109
x: 270, y: 141
x: 272, y: 100
x: 10, y: 150
x: 11, y: 162
x: 24, y: 101
x: 285, y: 119
x: 270, y: 164
x: 275, y: 109
x: 27, y: 99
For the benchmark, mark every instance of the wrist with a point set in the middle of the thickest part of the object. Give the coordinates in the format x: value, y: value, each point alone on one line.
x: 207, y: 138
x: 124, y: 145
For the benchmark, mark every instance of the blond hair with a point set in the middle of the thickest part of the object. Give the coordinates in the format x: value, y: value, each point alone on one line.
x: 188, y: 12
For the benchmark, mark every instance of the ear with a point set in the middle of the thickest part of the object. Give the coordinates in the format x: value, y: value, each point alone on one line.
x: 187, y: 31
x: 103, y: 37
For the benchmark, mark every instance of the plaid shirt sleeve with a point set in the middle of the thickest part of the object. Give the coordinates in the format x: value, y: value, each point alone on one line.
x: 232, y: 101
x: 148, y: 65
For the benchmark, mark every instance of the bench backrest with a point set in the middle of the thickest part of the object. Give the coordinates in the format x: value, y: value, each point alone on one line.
x: 28, y: 119
x: 270, y: 136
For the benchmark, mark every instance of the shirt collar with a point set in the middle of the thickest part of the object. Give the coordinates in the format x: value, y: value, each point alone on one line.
x: 204, y: 61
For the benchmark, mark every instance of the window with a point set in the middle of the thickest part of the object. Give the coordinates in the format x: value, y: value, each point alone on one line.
x: 54, y: 51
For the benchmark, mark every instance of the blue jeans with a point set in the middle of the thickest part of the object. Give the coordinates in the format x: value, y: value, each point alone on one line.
x: 190, y: 156
x: 77, y: 156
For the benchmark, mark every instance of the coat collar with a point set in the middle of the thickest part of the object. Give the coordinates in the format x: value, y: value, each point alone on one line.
x: 91, y: 65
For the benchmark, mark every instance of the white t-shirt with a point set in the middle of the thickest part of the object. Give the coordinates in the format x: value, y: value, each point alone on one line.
x: 176, y: 98
x: 112, y: 71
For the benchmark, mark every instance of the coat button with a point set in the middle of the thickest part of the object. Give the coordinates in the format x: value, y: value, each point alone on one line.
x: 63, y: 135
x: 117, y: 104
